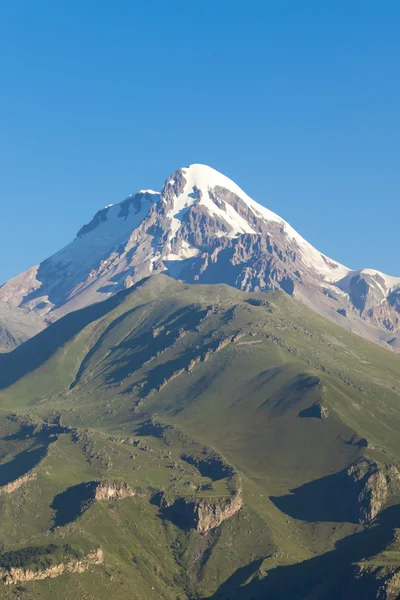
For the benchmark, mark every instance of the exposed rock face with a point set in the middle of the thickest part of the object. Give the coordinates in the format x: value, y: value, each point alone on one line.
x: 16, y: 326
x: 361, y: 442
x: 386, y: 314
x: 372, y: 582
x: 373, y: 483
x: 16, y: 575
x: 17, y: 483
x: 357, y: 494
x: 365, y: 291
x: 204, y: 228
x: 316, y: 411
x: 200, y: 514
x: 209, y: 514
x: 112, y: 491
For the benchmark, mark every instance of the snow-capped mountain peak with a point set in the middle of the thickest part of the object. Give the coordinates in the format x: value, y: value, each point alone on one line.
x: 201, y: 186
x: 202, y: 227
x: 207, y: 187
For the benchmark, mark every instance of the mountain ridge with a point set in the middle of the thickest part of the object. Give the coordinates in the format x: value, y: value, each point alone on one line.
x: 202, y: 227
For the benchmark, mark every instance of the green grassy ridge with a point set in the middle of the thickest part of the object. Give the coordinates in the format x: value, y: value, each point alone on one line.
x: 243, y: 402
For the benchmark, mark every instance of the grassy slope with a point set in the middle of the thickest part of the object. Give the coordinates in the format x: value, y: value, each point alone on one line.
x: 98, y: 370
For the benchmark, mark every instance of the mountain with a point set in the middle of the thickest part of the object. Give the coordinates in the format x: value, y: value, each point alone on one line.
x: 16, y: 326
x: 202, y: 228
x: 199, y: 441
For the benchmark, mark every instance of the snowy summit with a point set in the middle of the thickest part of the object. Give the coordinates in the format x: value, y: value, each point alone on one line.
x: 202, y: 227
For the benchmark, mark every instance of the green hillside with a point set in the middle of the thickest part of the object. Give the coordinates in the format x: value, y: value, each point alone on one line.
x: 251, y: 448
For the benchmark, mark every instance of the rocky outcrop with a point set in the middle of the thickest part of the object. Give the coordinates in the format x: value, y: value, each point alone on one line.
x: 17, y: 483
x: 316, y: 411
x: 190, y: 360
x: 209, y: 514
x: 16, y: 326
x: 112, y: 491
x: 201, y: 514
x: 360, y: 442
x: 373, y: 484
x: 18, y: 575
x: 372, y: 582
x: 75, y: 500
x: 357, y: 494
x: 375, y: 578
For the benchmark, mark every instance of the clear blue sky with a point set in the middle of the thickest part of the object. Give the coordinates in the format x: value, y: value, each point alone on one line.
x: 298, y: 102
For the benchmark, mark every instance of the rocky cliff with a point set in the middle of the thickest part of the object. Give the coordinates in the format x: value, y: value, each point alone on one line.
x: 17, y: 325
x: 112, y: 491
x: 209, y: 514
x: 201, y: 514
x: 18, y: 575
x: 373, y: 484
x: 17, y: 483
x: 371, y: 582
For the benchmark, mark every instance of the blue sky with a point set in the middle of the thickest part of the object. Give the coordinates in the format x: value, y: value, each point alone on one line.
x: 298, y: 102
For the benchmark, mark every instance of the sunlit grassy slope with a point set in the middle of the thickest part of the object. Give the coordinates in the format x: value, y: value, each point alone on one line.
x: 235, y: 378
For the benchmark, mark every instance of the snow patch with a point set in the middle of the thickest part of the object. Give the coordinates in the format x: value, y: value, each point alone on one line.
x: 152, y: 192
x: 390, y: 282
x: 87, y: 250
x: 185, y: 252
x: 205, y: 178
